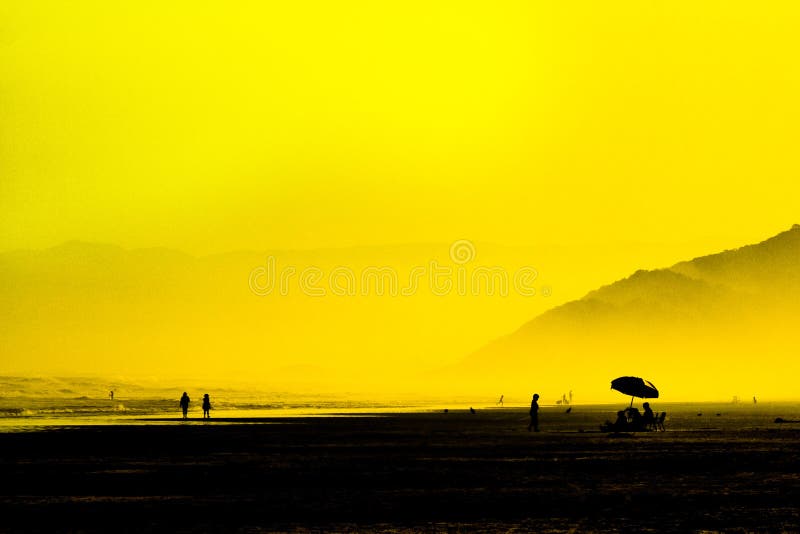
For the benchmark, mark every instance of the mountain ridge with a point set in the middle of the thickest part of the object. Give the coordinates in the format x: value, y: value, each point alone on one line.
x: 739, y: 302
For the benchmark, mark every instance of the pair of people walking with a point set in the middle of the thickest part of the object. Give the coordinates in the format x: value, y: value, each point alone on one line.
x: 184, y: 403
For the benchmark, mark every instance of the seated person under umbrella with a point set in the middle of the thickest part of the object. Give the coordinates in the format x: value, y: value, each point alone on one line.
x: 649, y: 418
x: 635, y: 420
x: 620, y: 425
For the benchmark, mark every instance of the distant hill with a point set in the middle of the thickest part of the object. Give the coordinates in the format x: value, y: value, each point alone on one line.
x: 88, y: 308
x: 733, y: 314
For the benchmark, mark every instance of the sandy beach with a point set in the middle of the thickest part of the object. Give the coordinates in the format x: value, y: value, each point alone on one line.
x: 436, y: 472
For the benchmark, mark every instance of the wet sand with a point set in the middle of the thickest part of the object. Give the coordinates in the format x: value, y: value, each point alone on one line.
x: 430, y: 472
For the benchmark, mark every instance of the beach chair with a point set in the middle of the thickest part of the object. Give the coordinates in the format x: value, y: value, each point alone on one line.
x: 658, y: 423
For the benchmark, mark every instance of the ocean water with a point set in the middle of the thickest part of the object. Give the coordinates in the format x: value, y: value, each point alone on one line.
x: 36, y: 403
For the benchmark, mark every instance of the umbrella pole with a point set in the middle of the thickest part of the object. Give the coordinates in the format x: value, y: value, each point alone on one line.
x: 631, y: 406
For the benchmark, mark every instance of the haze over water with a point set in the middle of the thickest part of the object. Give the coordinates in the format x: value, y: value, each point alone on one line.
x: 31, y: 404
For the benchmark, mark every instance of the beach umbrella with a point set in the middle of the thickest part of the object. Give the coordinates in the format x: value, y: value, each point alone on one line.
x: 635, y: 387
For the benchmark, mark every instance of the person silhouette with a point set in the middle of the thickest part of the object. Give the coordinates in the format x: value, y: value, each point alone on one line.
x: 648, y: 418
x: 621, y: 424
x: 185, y: 404
x: 534, y: 424
x: 206, y: 407
x: 634, y: 419
x: 500, y: 402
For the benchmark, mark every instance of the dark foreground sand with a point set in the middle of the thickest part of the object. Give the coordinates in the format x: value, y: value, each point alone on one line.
x: 433, y: 472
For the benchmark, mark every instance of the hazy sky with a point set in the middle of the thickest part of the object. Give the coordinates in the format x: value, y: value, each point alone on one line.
x: 585, y: 139
x: 209, y: 126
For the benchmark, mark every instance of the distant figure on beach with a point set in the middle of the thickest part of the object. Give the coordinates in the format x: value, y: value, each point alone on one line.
x: 111, y: 394
x: 185, y: 405
x: 570, y: 396
x: 500, y: 402
x: 649, y: 418
x: 471, y: 409
x: 534, y: 424
x: 754, y: 400
x: 206, y: 407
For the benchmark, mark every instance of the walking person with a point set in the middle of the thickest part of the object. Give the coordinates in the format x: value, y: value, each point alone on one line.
x: 206, y: 407
x: 185, y: 405
x: 534, y: 424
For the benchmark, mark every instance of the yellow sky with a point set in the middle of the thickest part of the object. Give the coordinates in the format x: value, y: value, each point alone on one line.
x: 207, y: 127
x: 595, y: 138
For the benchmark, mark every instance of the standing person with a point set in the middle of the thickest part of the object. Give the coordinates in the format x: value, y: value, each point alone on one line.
x: 534, y: 413
x: 500, y: 402
x: 185, y: 405
x: 206, y: 407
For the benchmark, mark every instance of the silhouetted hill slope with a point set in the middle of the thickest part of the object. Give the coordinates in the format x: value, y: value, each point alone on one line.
x: 770, y: 266
x: 737, y: 308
